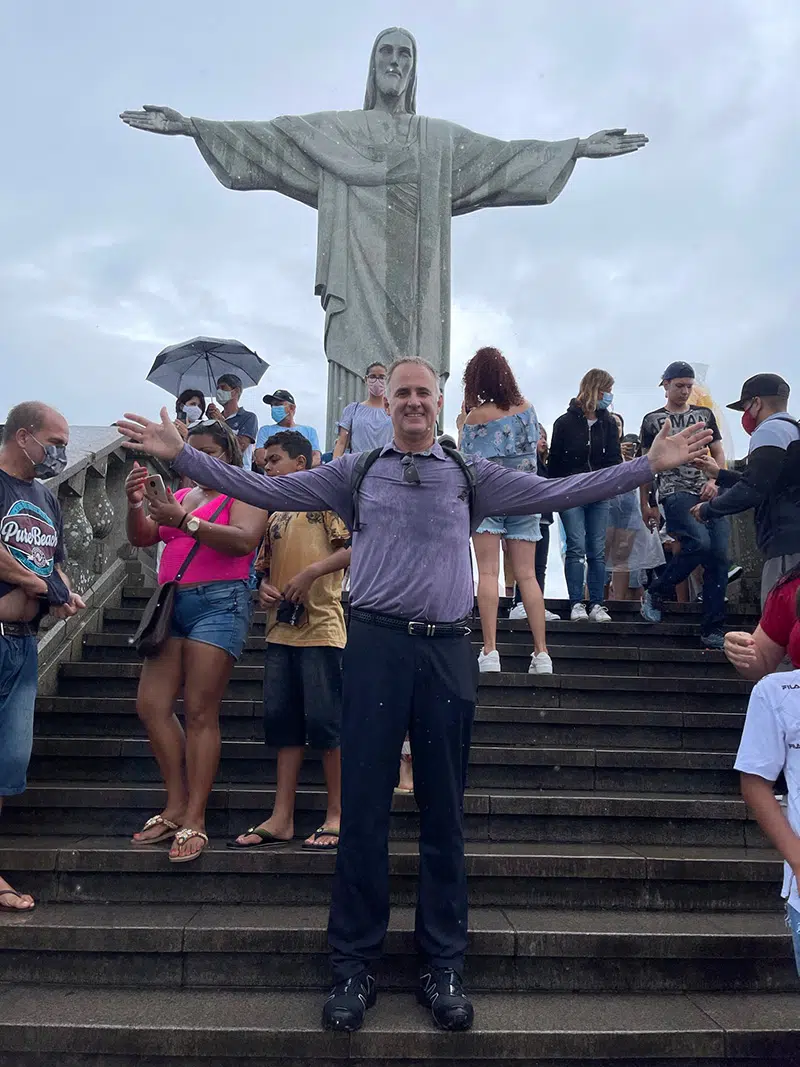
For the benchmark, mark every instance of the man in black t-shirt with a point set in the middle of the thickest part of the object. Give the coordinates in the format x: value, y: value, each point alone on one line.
x: 678, y: 491
x: 31, y: 584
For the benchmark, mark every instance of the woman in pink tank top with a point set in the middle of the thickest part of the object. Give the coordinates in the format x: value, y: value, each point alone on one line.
x: 210, y: 622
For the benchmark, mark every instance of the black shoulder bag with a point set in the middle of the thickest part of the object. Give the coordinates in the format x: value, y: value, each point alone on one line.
x: 154, y: 629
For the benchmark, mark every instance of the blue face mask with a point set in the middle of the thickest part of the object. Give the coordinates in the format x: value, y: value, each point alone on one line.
x: 605, y: 401
x: 278, y: 413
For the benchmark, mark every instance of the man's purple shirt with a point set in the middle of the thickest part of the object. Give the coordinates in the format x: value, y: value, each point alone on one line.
x: 411, y: 557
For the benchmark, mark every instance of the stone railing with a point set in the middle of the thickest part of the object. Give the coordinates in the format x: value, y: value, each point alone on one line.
x: 91, y: 491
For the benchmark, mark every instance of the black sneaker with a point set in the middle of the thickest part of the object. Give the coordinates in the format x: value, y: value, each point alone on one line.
x: 715, y: 639
x: 443, y: 992
x: 347, y: 1003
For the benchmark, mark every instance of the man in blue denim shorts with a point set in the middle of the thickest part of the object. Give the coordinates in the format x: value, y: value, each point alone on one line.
x: 31, y: 584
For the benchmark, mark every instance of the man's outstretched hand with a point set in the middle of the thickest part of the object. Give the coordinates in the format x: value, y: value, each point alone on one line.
x: 159, y: 439
x: 668, y: 452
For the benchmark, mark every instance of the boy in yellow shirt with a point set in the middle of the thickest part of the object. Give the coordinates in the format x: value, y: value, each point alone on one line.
x: 301, y: 565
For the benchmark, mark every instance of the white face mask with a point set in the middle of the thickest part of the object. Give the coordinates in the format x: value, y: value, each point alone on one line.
x: 192, y: 412
x: 224, y: 395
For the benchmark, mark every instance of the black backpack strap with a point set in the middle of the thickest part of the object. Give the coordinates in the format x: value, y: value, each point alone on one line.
x: 366, y: 459
x: 468, y: 470
x: 360, y: 468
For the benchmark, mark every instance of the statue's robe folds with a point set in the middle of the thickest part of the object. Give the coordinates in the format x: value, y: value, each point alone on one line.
x: 385, y: 190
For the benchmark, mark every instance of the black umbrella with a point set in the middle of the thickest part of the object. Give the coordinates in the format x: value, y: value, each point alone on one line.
x: 199, y: 363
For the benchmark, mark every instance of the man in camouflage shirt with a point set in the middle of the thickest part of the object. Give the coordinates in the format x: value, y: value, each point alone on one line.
x: 678, y: 491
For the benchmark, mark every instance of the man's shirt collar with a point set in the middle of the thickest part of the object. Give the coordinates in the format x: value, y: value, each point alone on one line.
x: 435, y: 450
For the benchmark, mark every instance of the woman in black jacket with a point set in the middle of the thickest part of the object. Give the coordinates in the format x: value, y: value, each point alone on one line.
x: 585, y: 438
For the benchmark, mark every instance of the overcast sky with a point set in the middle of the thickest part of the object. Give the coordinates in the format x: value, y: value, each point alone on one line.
x: 115, y: 243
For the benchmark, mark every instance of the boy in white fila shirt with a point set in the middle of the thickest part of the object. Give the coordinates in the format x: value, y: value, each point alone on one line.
x: 771, y: 744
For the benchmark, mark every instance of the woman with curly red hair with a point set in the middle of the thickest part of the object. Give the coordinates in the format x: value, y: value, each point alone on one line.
x: 501, y: 425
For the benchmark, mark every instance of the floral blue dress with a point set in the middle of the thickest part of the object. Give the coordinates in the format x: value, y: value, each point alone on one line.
x: 512, y: 441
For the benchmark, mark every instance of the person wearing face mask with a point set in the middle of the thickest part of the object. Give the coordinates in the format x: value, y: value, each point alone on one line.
x: 32, y: 583
x: 366, y: 424
x: 243, y: 423
x: 189, y: 408
x: 770, y: 482
x: 586, y: 439
x: 282, y: 408
x: 679, y: 493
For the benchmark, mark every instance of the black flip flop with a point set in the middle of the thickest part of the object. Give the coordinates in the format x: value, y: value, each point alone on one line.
x: 322, y: 832
x: 268, y: 840
x: 8, y: 907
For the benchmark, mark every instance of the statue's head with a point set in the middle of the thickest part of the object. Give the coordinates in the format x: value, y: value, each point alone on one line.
x: 393, y: 68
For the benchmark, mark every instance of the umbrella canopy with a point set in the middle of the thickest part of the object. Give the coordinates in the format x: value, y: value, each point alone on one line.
x: 199, y: 363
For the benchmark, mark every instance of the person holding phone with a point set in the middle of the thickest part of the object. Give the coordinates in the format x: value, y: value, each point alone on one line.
x: 209, y: 626
x: 301, y: 564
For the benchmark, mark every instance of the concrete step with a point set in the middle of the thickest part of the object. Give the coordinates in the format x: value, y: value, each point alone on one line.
x: 489, y: 815
x: 77, y: 1027
x: 567, y: 659
x: 109, y: 759
x: 113, y: 717
x: 284, y: 947
x: 80, y: 870
x: 138, y: 595
x: 130, y: 759
x: 693, y: 694
x: 629, y: 630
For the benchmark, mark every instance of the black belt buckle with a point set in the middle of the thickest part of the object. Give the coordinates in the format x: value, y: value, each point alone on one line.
x: 421, y: 629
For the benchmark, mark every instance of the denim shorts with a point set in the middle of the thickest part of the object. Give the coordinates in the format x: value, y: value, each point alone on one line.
x: 793, y: 922
x: 18, y: 682
x: 302, y: 696
x: 512, y: 527
x: 214, y: 614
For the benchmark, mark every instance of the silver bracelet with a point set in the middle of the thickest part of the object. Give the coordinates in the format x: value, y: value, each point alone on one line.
x: 135, y: 507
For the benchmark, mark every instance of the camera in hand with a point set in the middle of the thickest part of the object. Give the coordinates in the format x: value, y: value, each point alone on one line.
x: 291, y: 613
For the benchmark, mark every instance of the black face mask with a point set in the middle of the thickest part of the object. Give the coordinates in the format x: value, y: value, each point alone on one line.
x: 53, y: 462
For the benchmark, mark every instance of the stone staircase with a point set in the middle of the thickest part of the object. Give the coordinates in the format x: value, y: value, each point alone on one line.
x: 624, y: 906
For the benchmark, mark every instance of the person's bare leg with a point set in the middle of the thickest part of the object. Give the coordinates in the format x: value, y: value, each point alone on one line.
x: 281, y: 822
x: 487, y: 555
x: 332, y: 766
x: 207, y: 670
x: 523, y: 560
x: 159, y: 685
x: 23, y: 902
x: 508, y: 571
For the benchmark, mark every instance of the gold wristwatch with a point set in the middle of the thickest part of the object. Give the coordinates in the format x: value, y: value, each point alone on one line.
x: 192, y: 525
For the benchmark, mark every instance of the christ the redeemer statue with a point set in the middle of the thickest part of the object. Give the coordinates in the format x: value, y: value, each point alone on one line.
x: 385, y: 182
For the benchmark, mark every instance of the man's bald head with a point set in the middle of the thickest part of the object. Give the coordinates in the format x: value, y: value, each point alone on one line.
x: 37, y: 418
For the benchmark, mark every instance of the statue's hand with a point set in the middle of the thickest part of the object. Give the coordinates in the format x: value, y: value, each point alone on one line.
x: 610, y: 143
x: 158, y: 120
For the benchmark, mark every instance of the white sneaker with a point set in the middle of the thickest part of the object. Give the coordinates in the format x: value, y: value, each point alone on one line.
x: 599, y: 614
x: 518, y: 612
x: 550, y: 616
x: 489, y: 662
x: 541, y: 663
x: 578, y: 613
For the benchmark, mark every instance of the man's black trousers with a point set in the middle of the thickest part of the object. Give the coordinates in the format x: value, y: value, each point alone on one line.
x: 394, y: 683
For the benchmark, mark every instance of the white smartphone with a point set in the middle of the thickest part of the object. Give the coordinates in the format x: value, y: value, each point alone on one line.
x: 155, y: 488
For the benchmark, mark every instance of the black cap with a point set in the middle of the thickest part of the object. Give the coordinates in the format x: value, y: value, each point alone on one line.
x: 678, y: 369
x: 280, y: 396
x: 761, y: 385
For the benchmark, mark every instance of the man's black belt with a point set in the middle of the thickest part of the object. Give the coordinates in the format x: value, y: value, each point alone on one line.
x: 416, y: 628
x: 17, y: 629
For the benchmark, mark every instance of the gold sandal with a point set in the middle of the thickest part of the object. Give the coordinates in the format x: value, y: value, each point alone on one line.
x: 157, y: 820
x: 182, y: 836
